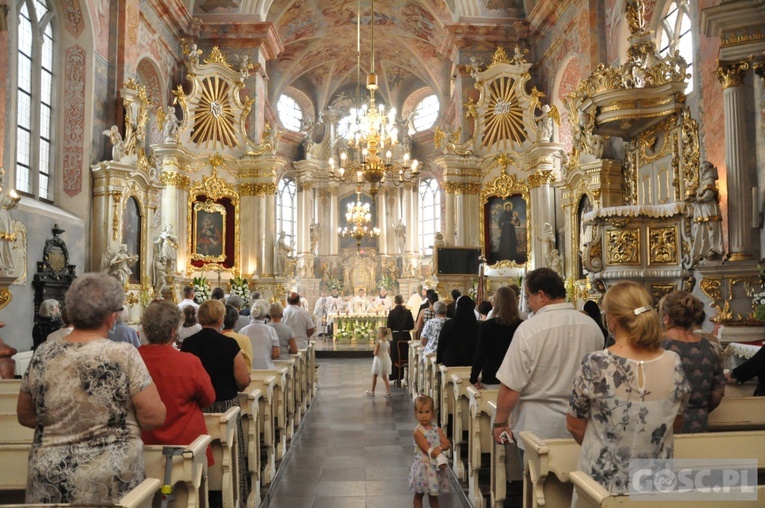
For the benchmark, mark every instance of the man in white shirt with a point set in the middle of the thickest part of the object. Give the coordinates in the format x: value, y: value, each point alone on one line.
x: 299, y: 320
x: 538, y: 370
x: 188, y: 298
x: 382, y: 301
x: 359, y: 304
x: 321, y: 313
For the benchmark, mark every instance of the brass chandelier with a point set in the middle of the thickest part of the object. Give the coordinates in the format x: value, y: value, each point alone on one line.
x: 371, y: 133
x: 359, y: 219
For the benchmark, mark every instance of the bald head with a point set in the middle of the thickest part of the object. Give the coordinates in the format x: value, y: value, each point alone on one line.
x: 293, y: 298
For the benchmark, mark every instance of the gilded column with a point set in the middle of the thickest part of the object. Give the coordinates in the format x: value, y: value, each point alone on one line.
x: 739, y: 185
x: 174, y: 198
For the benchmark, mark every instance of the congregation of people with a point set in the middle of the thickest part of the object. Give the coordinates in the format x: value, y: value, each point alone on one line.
x: 622, y: 381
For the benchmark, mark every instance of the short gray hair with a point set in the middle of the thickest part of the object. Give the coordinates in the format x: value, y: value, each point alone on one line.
x: 439, y: 307
x: 255, y: 295
x: 123, y: 316
x: 92, y: 298
x: 259, y: 309
x: 159, y: 320
x: 48, y: 307
x: 276, y: 309
x: 236, y: 301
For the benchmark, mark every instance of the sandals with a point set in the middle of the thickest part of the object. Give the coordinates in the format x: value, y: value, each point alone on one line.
x: 370, y: 393
x: 387, y: 395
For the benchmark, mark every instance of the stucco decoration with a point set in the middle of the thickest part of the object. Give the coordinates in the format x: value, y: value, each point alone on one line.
x: 74, y: 119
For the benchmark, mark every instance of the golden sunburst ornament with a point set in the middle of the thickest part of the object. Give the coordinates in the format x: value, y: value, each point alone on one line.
x: 214, y: 118
x: 504, y: 115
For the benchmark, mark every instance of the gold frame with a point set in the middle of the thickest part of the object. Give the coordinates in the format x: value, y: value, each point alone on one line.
x: 504, y: 186
x: 210, y: 207
x: 214, y: 189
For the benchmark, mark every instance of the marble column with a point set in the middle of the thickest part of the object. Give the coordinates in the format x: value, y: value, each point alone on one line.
x: 334, y: 222
x: 739, y: 184
x: 451, y: 214
x: 382, y: 221
x: 542, y: 197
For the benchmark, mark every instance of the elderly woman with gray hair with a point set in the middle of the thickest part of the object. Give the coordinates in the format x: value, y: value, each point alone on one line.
x: 287, y: 344
x: 48, y: 321
x: 182, y: 381
x: 264, y: 340
x: 121, y: 332
x: 432, y: 329
x: 88, y: 399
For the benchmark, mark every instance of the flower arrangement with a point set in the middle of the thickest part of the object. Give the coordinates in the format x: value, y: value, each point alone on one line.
x: 240, y: 288
x: 758, y: 300
x: 387, y: 282
x: 473, y: 291
x: 333, y: 284
x: 202, y: 290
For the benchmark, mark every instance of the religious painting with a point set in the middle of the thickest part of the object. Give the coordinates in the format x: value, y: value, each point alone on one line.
x: 131, y: 237
x: 505, y: 222
x: 209, y: 232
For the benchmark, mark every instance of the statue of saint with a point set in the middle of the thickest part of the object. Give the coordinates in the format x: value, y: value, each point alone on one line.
x: 314, y: 228
x: 282, y: 252
x: 170, y: 127
x: 7, y: 202
x: 159, y: 276
x: 119, y: 265
x: 707, y: 219
x: 401, y: 236
x: 167, y: 247
x: 118, y: 145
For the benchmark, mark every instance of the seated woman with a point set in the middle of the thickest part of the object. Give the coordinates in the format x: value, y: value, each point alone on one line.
x: 190, y: 325
x: 222, y: 358
x: 229, y: 323
x: 88, y: 399
x: 432, y: 329
x: 183, y: 383
x: 265, y: 342
x: 494, y: 337
x: 627, y: 399
x: 679, y: 312
x: 287, y: 344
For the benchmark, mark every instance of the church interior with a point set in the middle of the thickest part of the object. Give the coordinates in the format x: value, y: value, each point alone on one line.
x: 279, y: 146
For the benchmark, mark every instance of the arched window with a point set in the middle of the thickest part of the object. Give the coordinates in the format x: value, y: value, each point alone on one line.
x: 290, y: 113
x: 426, y: 113
x: 34, y: 98
x: 675, y: 35
x: 286, y: 209
x: 430, y: 213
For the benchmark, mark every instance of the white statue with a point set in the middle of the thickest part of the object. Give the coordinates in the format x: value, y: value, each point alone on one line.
x: 118, y: 145
x: 167, y: 247
x: 555, y: 262
x: 118, y: 266
x: 282, y: 252
x: 401, y: 236
x: 707, y: 219
x: 548, y: 243
x: 7, y: 202
x: 545, y: 123
x: 170, y: 127
x: 314, y: 228
x: 159, y: 276
x: 439, y: 240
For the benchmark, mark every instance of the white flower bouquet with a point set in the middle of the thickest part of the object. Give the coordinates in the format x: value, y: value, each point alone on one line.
x: 240, y: 288
x: 202, y: 290
x: 758, y: 300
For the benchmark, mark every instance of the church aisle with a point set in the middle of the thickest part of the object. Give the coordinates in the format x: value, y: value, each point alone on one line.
x: 353, y: 451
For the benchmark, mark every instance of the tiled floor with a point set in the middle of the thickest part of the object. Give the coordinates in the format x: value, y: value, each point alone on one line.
x: 352, y: 451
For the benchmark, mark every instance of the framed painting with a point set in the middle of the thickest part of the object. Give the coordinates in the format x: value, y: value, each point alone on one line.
x: 505, y: 222
x: 131, y: 237
x: 209, y: 243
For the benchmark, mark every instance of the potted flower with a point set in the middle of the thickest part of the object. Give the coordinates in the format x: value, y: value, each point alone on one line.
x: 758, y: 300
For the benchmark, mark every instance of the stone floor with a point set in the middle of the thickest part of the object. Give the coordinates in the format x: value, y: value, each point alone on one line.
x: 352, y: 450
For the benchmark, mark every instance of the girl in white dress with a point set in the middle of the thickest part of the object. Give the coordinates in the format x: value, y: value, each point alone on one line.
x: 381, y: 365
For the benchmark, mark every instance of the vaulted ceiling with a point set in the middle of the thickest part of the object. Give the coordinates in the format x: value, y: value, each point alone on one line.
x: 416, y: 41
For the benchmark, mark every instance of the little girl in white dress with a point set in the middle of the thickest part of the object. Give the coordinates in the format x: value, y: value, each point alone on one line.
x: 381, y: 365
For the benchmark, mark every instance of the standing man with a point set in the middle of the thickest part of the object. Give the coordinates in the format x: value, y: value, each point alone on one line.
x: 401, y: 322
x: 539, y: 366
x: 188, y: 298
x: 299, y: 320
x: 359, y: 303
x: 383, y: 300
x: 335, y: 305
x: 321, y: 314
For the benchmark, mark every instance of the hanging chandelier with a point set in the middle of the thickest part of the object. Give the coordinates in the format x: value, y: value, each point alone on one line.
x: 359, y: 219
x: 372, y: 132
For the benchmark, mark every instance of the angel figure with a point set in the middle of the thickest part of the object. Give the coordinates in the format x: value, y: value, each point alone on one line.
x: 545, y: 122
x: 170, y: 125
x: 118, y: 264
x: 439, y: 240
x: 118, y: 145
x: 474, y: 67
x: 438, y: 138
x: 519, y: 55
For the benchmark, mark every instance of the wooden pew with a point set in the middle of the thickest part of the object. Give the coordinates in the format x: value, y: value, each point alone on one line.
x: 305, y: 379
x: 188, y: 474
x: 461, y: 419
x: 8, y: 402
x: 249, y: 403
x: 299, y: 382
x: 11, y: 431
x: 549, y: 463
x: 313, y: 373
x: 505, y: 465
x: 738, y: 413
x: 447, y: 395
x: 224, y: 474
x: 415, y: 368
x: 13, y: 466
x: 279, y: 405
x: 434, y: 386
x: 480, y: 439
x: 427, y: 376
x: 411, y: 368
x: 139, y: 497
x: 10, y: 386
x: 590, y: 494
x: 289, y: 394
x: 266, y: 416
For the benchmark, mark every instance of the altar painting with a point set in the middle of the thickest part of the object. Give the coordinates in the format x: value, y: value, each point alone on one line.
x: 506, y: 223
x: 131, y: 236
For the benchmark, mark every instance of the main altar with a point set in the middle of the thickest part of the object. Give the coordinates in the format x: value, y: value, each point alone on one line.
x: 359, y: 327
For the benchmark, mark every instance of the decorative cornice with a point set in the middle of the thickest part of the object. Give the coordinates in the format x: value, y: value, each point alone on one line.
x: 175, y: 179
x: 256, y: 189
x: 460, y: 188
x: 543, y: 177
x: 732, y: 74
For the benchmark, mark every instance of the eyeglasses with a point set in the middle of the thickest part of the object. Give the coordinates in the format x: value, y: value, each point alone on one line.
x: 119, y: 310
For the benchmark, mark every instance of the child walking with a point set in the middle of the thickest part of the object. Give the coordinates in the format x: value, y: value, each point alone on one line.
x: 428, y: 474
x: 381, y: 365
